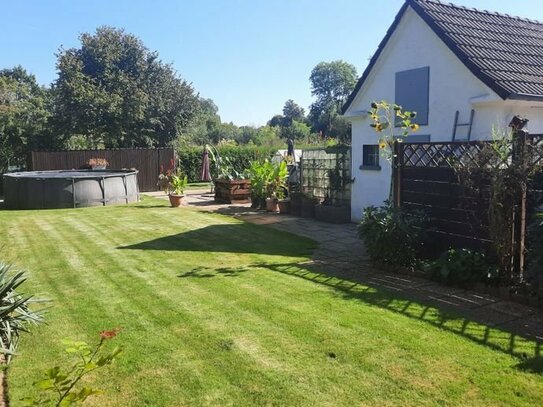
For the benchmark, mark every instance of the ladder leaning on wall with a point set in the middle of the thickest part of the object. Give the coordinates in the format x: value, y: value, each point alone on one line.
x: 468, y: 124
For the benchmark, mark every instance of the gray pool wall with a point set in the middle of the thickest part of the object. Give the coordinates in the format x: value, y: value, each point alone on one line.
x: 70, y: 189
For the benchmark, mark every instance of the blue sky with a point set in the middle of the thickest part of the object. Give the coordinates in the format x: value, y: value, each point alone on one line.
x: 249, y: 56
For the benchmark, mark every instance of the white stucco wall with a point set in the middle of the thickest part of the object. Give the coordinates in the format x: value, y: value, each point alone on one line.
x: 452, y: 87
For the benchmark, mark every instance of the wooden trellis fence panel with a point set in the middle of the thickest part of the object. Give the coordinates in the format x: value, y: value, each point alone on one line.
x: 426, y: 178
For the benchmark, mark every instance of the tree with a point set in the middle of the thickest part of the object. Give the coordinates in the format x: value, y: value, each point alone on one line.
x: 292, y: 112
x: 23, y: 116
x: 276, y: 121
x: 331, y: 84
x: 296, y: 131
x: 117, y: 93
x: 206, y: 126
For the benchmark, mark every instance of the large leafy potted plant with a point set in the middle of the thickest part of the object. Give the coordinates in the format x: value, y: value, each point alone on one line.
x: 177, y: 186
x: 258, y: 174
x: 173, y: 184
x: 283, y: 202
x: 276, y: 184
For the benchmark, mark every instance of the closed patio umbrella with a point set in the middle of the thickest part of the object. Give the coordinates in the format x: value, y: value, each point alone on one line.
x: 204, y: 174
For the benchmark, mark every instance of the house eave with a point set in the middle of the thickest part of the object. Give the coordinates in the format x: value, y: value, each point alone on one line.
x: 525, y: 96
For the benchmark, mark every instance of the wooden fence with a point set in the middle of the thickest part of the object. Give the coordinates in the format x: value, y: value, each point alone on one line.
x: 147, y: 161
x: 426, y: 177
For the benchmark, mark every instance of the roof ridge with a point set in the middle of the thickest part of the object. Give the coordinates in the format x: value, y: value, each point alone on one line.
x: 487, y: 12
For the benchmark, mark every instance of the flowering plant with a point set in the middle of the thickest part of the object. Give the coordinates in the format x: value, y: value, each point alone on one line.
x: 385, y: 117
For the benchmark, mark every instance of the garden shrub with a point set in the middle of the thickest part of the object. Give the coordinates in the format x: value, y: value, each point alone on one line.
x: 392, y: 235
x: 240, y: 157
x: 16, y: 314
x: 461, y: 267
x: 534, y: 271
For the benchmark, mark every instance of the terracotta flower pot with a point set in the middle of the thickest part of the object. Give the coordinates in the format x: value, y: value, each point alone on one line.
x: 175, y: 200
x: 271, y: 204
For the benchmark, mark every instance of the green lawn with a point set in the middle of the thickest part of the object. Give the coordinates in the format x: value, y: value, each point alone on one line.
x: 217, y: 312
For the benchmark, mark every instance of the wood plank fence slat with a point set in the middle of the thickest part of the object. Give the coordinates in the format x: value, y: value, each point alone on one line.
x: 147, y: 161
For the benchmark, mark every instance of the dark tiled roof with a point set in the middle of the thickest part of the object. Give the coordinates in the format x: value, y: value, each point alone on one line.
x: 504, y: 52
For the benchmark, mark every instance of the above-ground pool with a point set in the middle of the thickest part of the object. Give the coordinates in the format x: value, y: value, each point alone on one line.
x: 69, y: 189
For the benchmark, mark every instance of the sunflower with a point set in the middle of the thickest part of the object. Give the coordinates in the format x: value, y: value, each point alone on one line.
x: 382, y: 145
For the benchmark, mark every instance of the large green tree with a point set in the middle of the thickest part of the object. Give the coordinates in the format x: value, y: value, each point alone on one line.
x: 206, y: 126
x: 23, y: 116
x: 292, y: 112
x: 331, y: 84
x: 115, y: 92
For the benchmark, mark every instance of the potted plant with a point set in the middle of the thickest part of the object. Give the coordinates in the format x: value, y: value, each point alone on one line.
x: 276, y: 183
x: 231, y: 186
x: 283, y: 202
x: 296, y: 203
x: 97, y: 163
x: 308, y: 205
x: 173, y: 184
x: 177, y: 186
x: 257, y: 175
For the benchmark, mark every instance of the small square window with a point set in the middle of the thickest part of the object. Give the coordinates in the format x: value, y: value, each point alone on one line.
x: 370, y: 157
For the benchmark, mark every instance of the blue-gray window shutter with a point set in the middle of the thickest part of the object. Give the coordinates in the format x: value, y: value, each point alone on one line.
x: 412, y: 92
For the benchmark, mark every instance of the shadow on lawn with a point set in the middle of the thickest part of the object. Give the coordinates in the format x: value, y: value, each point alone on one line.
x: 210, y: 272
x: 527, y: 350
x: 231, y: 238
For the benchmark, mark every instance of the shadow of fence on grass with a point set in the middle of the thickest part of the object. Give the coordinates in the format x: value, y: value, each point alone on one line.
x: 527, y: 350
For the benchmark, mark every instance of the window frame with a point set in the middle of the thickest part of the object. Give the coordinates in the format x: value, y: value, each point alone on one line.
x: 372, y: 164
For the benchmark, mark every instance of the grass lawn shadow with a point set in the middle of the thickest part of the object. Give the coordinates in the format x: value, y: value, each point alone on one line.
x: 527, y: 350
x: 230, y: 238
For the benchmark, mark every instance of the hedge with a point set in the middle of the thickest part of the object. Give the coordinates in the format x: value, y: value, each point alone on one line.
x: 190, y: 158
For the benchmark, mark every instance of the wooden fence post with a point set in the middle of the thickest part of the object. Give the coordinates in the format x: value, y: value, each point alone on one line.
x: 519, y: 157
x: 397, y: 163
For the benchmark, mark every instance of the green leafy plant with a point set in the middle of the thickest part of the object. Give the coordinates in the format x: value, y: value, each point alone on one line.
x: 461, y: 267
x: 268, y: 180
x: 392, y: 235
x: 62, y: 387
x: 172, y: 181
x: 16, y: 314
x: 241, y: 157
x: 178, y: 183
x: 278, y: 180
x: 258, y: 173
x: 496, y: 177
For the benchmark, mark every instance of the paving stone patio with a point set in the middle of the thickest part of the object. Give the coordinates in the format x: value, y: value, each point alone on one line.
x: 340, y: 254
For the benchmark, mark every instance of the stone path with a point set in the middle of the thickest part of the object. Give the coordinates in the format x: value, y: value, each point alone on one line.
x: 340, y: 262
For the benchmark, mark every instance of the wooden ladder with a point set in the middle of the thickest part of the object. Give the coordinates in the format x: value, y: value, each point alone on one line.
x: 469, y: 124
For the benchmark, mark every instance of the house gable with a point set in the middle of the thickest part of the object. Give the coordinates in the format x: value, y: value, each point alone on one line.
x: 503, y: 52
x: 413, y: 46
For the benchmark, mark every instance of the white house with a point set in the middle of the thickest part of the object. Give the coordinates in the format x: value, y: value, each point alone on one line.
x: 438, y: 59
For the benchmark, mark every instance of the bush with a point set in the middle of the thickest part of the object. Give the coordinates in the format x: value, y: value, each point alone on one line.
x: 15, y: 313
x: 534, y: 271
x: 393, y: 235
x: 460, y: 267
x: 241, y: 157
